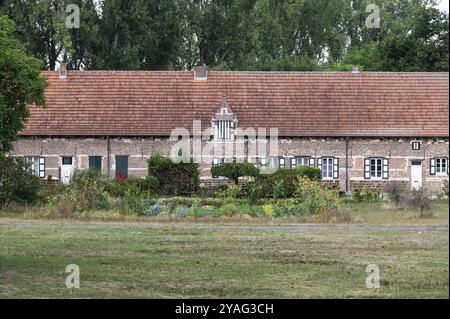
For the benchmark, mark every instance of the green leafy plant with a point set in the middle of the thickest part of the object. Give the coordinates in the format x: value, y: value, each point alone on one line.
x: 234, y: 171
x: 17, y: 184
x: 174, y: 178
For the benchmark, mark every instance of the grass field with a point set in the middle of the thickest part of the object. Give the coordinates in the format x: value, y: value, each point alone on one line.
x: 207, y: 261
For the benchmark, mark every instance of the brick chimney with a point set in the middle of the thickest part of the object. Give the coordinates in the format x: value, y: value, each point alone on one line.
x: 62, y: 71
x: 201, y: 73
x: 355, y: 69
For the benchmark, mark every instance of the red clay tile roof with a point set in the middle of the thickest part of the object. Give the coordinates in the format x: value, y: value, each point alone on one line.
x: 100, y: 103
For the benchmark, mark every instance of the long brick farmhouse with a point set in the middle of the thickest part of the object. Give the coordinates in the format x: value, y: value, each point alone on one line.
x: 361, y: 129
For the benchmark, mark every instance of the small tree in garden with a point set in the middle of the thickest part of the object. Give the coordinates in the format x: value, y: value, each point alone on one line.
x: 233, y: 171
x: 17, y: 184
x: 396, y: 193
x: 313, y: 173
x: 419, y: 200
x: 174, y: 178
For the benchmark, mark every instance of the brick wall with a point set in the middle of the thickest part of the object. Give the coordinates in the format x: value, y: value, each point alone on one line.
x: 398, y: 151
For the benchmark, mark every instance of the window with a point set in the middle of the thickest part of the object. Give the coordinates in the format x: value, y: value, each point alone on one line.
x: 439, y: 166
x: 217, y: 162
x: 95, y: 163
x: 223, y: 130
x: 36, y: 165
x: 329, y: 167
x: 293, y: 163
x: 264, y: 162
x: 302, y: 161
x: 67, y: 160
x: 121, y: 166
x: 282, y: 162
x: 376, y: 168
x: 416, y: 146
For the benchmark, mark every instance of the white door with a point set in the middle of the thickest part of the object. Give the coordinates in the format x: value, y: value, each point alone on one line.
x: 416, y: 175
x: 66, y: 169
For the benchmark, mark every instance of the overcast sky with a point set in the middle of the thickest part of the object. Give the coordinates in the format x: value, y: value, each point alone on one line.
x: 444, y: 5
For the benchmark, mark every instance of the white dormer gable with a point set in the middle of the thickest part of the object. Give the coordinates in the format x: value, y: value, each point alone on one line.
x: 224, y: 122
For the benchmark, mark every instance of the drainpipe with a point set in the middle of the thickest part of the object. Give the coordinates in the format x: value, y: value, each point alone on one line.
x: 108, y: 151
x: 346, y: 166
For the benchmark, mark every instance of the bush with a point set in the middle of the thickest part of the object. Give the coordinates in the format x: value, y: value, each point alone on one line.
x: 148, y: 184
x: 155, y: 209
x: 281, y: 184
x: 17, y: 184
x: 444, y: 193
x: 233, y: 171
x: 174, y: 179
x: 366, y: 196
x: 229, y: 210
x: 313, y: 173
x: 396, y: 193
x: 315, y: 198
x: 420, y: 201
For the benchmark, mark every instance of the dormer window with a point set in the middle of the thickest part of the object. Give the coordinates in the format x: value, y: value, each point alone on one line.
x: 223, y: 130
x: 223, y: 122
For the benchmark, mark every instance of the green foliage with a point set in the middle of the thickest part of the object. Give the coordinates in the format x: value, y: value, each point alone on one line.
x: 174, y: 178
x: 20, y: 85
x: 17, y: 184
x: 281, y: 184
x: 366, y: 195
x: 313, y: 173
x: 396, y: 193
x: 148, y: 184
x: 444, y: 193
x: 420, y: 201
x: 295, y: 35
x: 233, y: 171
x: 315, y: 197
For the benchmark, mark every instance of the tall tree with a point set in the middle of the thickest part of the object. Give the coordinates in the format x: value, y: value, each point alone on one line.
x: 41, y: 26
x: 138, y: 34
x: 20, y: 85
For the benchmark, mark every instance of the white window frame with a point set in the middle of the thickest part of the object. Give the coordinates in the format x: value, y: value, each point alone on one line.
x: 223, y: 129
x: 441, y: 166
x: 36, y: 165
x: 327, y: 174
x: 380, y: 171
x: 281, y: 162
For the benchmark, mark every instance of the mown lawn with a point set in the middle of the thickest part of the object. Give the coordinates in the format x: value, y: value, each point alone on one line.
x: 206, y: 261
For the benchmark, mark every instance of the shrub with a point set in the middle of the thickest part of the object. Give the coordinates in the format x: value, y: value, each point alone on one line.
x: 174, y: 178
x: 420, y: 201
x: 155, y: 209
x: 17, y: 184
x: 396, y: 193
x: 148, y: 184
x: 313, y: 173
x: 444, y: 193
x: 233, y: 171
x: 366, y: 195
x: 316, y: 198
x: 229, y: 210
x: 281, y: 184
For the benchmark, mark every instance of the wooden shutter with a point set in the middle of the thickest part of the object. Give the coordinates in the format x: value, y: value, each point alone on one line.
x: 432, y: 166
x: 312, y: 162
x: 385, y: 168
x: 367, y: 168
x: 336, y: 168
x: 41, y: 167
